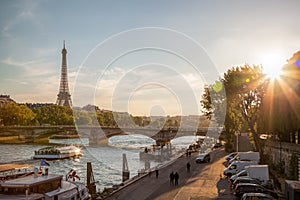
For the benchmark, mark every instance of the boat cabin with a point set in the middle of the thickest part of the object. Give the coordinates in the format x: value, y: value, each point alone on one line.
x: 33, y: 186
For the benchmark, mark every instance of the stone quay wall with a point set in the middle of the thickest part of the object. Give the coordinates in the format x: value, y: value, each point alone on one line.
x: 281, y: 152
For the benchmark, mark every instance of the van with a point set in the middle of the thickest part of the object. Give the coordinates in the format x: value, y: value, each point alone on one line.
x: 237, y: 166
x: 260, y: 172
x: 246, y: 156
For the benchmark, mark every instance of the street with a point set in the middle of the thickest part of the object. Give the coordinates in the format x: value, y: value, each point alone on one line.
x: 202, y: 182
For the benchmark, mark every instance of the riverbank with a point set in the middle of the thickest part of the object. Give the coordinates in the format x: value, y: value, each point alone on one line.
x: 12, y: 140
x: 202, y: 182
x: 20, y: 139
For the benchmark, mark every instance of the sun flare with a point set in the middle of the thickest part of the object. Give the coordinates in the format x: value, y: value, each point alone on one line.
x: 272, y: 65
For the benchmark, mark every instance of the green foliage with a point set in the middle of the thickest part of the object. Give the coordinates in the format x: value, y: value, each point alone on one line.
x: 106, y: 119
x: 54, y: 115
x: 293, y: 167
x: 13, y: 114
x: 245, y: 89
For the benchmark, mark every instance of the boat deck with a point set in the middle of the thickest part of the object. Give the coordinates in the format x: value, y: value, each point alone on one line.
x: 28, y: 181
x: 11, y: 167
x: 66, y: 186
x: 22, y: 197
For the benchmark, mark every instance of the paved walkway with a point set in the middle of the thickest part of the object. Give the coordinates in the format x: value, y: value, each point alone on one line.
x: 202, y: 182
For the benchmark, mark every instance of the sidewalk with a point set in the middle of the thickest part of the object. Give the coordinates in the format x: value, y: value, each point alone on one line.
x: 203, y: 182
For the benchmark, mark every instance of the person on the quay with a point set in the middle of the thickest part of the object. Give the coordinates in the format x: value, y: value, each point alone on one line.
x: 188, y: 167
x: 176, y: 177
x: 171, y: 178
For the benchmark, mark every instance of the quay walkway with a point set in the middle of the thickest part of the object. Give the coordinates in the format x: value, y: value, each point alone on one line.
x: 202, y: 182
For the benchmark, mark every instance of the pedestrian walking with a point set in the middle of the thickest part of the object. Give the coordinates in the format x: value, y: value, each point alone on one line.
x: 188, y: 167
x: 176, y: 177
x: 156, y: 172
x: 171, y: 178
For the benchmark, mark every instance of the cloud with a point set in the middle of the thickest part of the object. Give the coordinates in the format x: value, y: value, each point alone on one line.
x: 24, y: 11
x: 37, y: 67
x: 117, y: 89
x: 26, y: 14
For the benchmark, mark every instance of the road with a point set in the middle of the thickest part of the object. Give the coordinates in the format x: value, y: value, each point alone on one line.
x: 203, y: 182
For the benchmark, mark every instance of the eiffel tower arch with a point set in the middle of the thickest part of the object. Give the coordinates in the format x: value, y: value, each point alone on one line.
x: 64, y: 96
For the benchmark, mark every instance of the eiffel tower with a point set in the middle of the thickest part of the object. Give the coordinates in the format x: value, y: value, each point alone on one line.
x: 64, y: 96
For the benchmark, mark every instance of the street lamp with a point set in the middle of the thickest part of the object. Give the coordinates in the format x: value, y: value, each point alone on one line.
x: 237, y: 140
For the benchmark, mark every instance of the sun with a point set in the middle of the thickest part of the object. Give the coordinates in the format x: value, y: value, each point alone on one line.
x: 272, y: 65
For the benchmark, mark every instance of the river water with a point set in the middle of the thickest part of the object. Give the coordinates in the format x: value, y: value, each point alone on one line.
x: 106, y: 160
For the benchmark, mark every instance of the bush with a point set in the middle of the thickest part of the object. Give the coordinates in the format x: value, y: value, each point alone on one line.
x: 293, y: 167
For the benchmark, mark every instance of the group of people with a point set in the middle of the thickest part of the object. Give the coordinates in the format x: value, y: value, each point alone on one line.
x: 174, y: 177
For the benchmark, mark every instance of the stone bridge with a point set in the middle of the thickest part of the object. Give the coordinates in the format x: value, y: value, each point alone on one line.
x: 97, y: 133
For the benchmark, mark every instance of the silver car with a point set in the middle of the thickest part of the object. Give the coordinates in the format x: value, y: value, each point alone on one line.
x: 203, y: 157
x: 259, y: 196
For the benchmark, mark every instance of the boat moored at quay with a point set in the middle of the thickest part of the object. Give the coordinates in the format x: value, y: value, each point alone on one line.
x: 34, y: 186
x: 53, y: 152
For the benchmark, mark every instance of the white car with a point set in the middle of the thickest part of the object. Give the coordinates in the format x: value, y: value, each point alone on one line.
x: 203, y: 157
x: 230, y: 156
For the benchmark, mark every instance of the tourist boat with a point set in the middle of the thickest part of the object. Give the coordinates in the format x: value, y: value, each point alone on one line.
x: 51, y: 153
x: 157, y: 153
x: 34, y: 186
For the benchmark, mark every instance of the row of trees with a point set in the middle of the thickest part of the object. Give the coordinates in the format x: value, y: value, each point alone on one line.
x: 244, y: 100
x: 13, y: 114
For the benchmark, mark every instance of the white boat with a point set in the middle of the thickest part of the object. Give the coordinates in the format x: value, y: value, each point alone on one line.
x: 33, y: 186
x: 51, y: 153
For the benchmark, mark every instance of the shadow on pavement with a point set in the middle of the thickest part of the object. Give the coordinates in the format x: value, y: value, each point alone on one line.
x: 224, y: 191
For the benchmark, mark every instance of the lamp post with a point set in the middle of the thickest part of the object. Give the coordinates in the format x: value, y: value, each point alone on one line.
x: 237, y: 140
x: 296, y: 137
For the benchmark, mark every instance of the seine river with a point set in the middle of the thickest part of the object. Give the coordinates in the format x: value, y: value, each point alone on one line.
x: 106, y: 160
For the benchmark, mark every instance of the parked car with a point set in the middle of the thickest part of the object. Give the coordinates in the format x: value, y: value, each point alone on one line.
x: 242, y: 188
x: 203, y: 157
x: 257, y: 196
x: 240, y: 174
x: 244, y: 179
x: 230, y: 156
x: 237, y: 166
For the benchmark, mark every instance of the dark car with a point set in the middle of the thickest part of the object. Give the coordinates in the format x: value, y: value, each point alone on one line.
x: 217, y: 145
x: 245, y: 179
x: 258, y: 196
x: 242, y: 188
x: 203, y: 157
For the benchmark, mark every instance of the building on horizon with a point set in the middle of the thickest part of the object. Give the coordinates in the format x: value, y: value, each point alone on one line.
x: 32, y: 106
x: 64, y: 96
x: 5, y: 99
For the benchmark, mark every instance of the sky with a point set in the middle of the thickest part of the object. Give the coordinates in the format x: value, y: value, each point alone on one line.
x: 142, y: 57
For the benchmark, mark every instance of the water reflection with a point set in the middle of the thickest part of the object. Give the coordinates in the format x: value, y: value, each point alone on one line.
x: 106, y: 160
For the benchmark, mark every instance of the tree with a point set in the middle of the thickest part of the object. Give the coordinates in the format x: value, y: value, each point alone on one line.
x: 13, y: 114
x: 244, y: 91
x: 281, y: 105
x: 54, y: 115
x: 83, y: 118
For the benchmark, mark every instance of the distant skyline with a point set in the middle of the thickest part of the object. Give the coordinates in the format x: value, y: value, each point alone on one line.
x: 141, y: 57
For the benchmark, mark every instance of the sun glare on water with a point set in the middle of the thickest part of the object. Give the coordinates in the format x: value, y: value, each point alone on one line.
x: 272, y: 65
